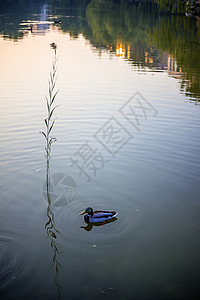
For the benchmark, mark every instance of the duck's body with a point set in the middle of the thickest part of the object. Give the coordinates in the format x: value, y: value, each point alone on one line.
x: 98, y: 216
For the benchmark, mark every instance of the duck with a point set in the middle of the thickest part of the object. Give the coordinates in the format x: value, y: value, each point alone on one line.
x: 98, y: 216
x: 57, y: 21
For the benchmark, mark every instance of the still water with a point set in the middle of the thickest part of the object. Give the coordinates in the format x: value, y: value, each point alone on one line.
x: 127, y: 130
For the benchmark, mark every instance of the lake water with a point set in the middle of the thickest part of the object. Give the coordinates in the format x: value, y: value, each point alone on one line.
x: 128, y: 139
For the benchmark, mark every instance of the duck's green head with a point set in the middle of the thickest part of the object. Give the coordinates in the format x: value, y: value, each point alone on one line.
x: 88, y: 210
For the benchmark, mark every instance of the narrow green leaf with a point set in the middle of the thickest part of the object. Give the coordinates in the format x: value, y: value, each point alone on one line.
x: 51, y: 77
x: 52, y: 140
x: 52, y: 87
x: 51, y: 113
x: 53, y: 98
x: 46, y: 122
x: 48, y: 107
x: 51, y: 126
x: 42, y: 132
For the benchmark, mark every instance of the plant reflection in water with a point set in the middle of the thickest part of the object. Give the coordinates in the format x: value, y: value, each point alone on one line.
x: 52, y: 234
x: 50, y: 226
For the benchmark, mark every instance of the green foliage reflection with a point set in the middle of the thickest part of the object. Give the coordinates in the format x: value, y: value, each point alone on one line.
x: 138, y: 32
x: 180, y: 37
x: 142, y: 30
x: 180, y: 6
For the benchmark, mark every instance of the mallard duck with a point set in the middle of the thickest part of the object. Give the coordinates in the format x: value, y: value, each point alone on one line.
x: 57, y: 21
x: 98, y: 216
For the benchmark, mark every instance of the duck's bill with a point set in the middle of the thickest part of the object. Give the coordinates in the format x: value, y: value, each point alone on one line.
x: 83, y: 212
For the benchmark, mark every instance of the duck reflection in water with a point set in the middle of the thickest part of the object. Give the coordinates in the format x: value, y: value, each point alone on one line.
x: 98, y: 218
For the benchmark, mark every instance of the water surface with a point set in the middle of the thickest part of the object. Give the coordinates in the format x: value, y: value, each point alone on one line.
x: 146, y: 166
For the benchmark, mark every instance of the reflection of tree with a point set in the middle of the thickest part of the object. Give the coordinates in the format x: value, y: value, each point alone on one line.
x: 179, y: 36
x: 114, y: 24
x: 13, y: 12
x: 119, y: 22
x: 134, y: 31
x: 75, y: 23
x: 180, y: 6
x: 173, y: 5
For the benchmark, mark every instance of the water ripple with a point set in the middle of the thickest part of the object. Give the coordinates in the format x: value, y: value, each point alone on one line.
x: 11, y: 260
x: 16, y: 261
x: 113, y: 233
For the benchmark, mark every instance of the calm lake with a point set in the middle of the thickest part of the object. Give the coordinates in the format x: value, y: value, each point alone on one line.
x: 127, y: 133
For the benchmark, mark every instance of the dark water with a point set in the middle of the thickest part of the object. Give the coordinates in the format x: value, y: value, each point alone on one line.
x: 128, y: 139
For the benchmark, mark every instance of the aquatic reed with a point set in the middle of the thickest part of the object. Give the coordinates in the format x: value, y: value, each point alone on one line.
x: 52, y: 93
x: 50, y: 226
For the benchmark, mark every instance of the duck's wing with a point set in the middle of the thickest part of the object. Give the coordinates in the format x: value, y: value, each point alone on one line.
x: 105, y: 212
x: 103, y: 215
